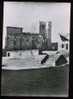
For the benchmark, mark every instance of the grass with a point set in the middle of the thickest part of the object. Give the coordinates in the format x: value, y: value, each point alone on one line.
x: 45, y: 81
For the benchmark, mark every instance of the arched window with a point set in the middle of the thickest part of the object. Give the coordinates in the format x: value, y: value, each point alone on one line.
x: 62, y: 45
x: 67, y: 46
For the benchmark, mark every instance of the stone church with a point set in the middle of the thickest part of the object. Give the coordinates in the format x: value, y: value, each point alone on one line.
x: 18, y: 40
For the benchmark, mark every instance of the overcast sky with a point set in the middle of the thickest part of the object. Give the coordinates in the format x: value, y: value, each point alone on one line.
x: 28, y: 15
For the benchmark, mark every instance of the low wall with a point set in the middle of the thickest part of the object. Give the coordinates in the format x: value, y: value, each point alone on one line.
x: 17, y: 54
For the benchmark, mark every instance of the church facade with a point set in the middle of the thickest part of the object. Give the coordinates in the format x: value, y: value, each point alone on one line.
x: 17, y: 40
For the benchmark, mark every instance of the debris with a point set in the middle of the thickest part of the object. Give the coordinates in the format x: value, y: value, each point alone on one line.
x: 44, y: 59
x: 61, y: 60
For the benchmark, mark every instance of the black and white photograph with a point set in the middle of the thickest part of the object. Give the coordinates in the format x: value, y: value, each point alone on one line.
x: 35, y: 49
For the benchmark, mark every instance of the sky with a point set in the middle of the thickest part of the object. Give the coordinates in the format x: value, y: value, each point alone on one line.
x: 28, y: 15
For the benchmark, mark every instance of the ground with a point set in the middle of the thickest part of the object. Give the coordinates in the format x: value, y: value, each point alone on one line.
x: 32, y: 82
x: 47, y: 81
